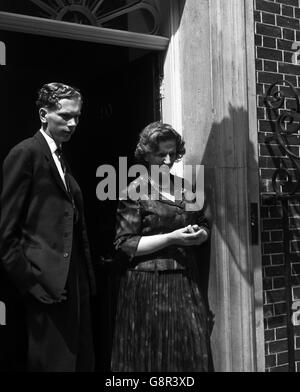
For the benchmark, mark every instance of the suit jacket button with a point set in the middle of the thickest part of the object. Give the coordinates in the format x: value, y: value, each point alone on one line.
x: 66, y: 254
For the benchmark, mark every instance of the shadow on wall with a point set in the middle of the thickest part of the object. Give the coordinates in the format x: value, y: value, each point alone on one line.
x: 227, y: 158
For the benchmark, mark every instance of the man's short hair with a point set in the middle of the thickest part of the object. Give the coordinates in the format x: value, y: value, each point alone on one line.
x: 51, y: 93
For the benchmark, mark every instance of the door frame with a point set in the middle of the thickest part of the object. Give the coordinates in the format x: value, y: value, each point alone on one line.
x: 253, y: 187
x: 59, y: 29
x: 172, y: 112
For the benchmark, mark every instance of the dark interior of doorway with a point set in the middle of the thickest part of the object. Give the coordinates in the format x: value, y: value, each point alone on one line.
x: 119, y: 86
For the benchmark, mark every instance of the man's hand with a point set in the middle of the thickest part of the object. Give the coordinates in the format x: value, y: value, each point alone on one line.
x: 42, y: 296
x: 63, y: 296
x: 46, y: 299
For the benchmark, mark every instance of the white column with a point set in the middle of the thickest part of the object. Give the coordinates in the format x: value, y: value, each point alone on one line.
x: 215, y: 51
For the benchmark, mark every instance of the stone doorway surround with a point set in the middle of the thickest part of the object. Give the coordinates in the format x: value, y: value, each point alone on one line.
x: 210, y: 94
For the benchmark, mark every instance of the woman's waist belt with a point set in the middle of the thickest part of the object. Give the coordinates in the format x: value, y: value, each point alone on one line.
x: 159, y: 264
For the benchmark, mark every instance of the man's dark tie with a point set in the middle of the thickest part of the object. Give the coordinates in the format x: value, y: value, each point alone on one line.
x: 60, y: 156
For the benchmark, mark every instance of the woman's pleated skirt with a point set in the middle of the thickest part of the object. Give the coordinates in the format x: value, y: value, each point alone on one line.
x: 161, y: 324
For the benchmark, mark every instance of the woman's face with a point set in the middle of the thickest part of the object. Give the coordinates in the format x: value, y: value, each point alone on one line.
x: 165, y: 155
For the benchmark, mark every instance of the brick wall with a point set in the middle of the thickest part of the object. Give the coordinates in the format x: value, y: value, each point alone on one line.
x: 277, y: 27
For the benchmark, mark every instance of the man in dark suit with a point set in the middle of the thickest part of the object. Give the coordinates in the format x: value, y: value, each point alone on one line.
x: 43, y: 239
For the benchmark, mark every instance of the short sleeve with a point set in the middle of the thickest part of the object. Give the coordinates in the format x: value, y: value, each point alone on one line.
x: 128, y: 227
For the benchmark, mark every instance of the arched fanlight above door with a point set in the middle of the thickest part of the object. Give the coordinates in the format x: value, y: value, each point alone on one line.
x: 103, y: 13
x: 131, y: 23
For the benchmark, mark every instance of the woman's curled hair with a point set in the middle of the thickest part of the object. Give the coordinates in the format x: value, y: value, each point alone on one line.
x: 152, y: 135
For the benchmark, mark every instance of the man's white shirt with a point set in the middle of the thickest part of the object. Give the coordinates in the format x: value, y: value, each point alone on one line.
x: 53, y: 147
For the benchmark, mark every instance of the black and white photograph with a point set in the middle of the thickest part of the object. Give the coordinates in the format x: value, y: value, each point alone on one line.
x: 150, y: 189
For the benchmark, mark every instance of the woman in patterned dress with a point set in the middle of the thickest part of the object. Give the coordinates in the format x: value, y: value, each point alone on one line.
x: 161, y: 321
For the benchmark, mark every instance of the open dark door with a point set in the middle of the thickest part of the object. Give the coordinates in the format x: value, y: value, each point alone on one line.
x: 120, y: 98
x: 133, y: 104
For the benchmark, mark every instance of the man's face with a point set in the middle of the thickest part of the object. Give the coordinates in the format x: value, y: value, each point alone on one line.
x: 61, y: 122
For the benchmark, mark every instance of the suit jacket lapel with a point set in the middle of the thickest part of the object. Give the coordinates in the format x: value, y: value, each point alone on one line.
x: 48, y: 156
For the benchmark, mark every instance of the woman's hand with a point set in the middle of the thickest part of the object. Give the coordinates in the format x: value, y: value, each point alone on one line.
x: 188, y: 236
